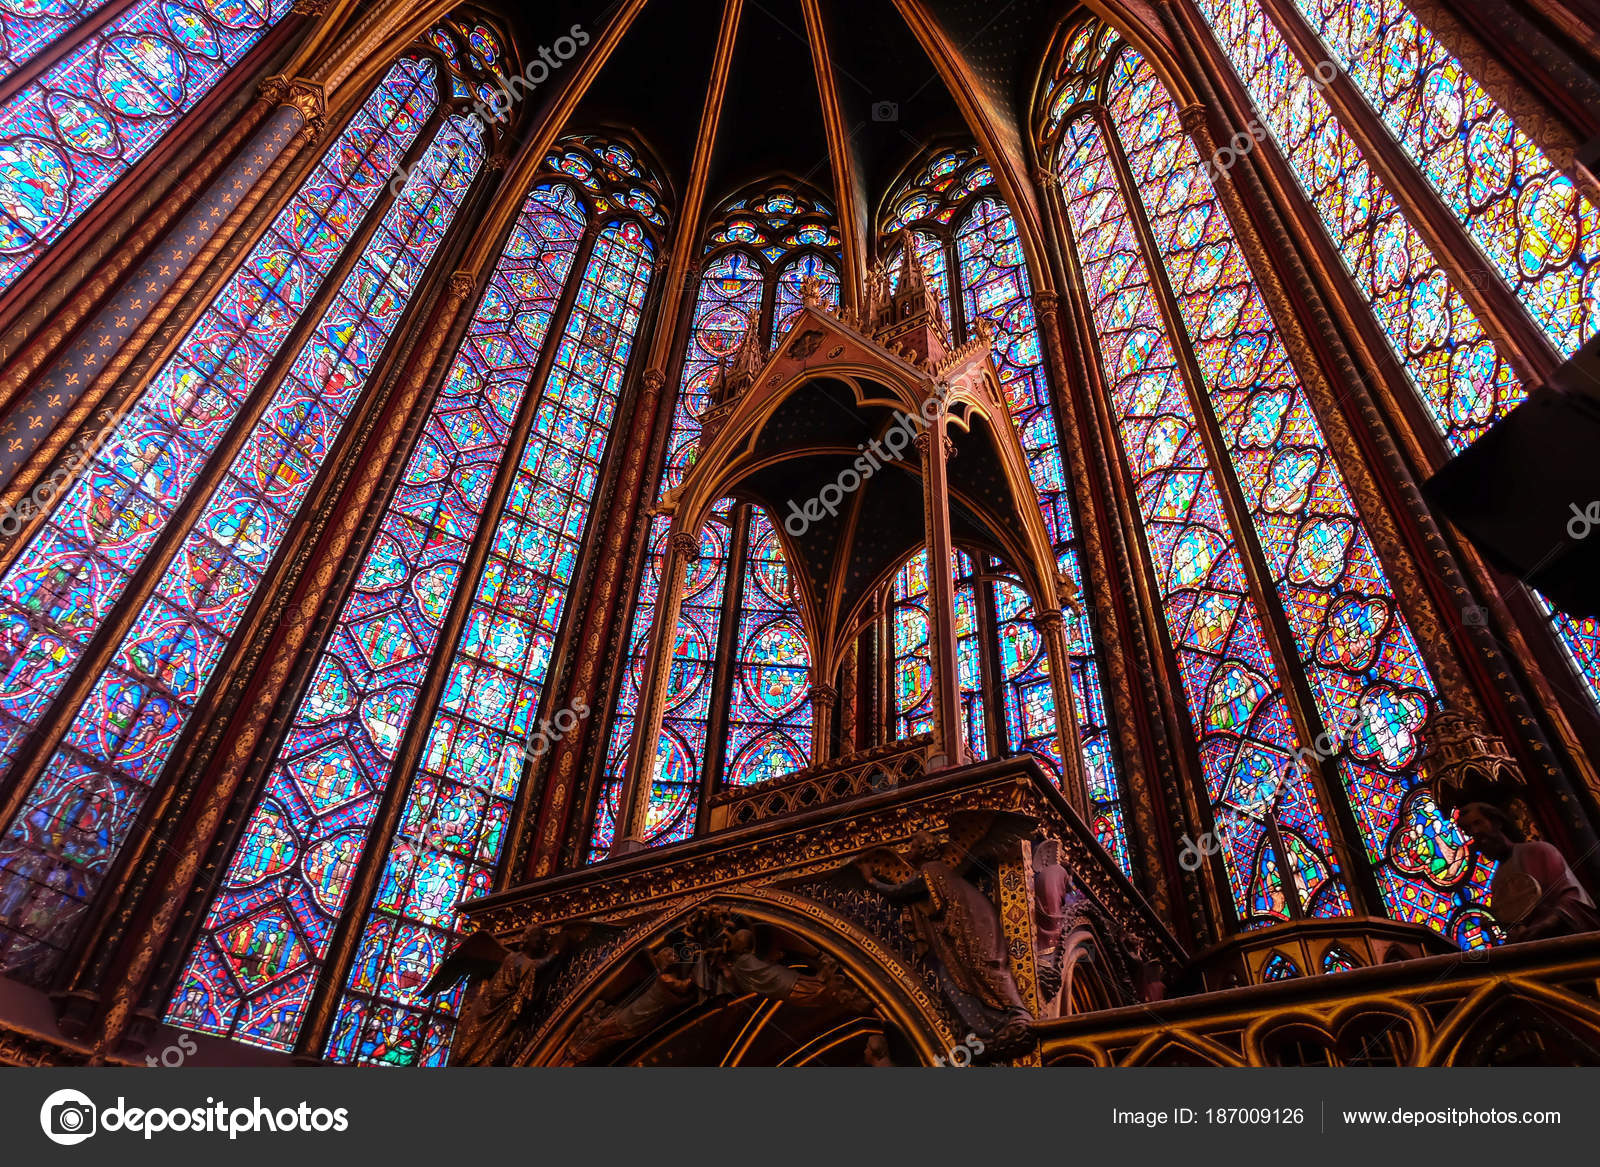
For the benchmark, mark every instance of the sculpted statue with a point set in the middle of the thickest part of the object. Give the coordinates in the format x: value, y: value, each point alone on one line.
x: 741, y: 968
x: 503, y: 985
x: 960, y: 929
x: 669, y: 989
x: 876, y: 1052
x: 715, y: 953
x: 878, y: 288
x: 1534, y: 892
x: 1051, y: 887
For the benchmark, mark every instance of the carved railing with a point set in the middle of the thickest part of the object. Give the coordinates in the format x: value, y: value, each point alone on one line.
x: 854, y: 775
x: 1523, y: 1004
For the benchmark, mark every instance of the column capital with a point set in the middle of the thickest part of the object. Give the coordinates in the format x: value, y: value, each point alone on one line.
x: 1196, y: 121
x: 497, y: 162
x: 654, y: 381
x: 303, y: 94
x: 1049, y: 620
x: 462, y: 282
x: 924, y: 440
x: 820, y: 690
x: 686, y: 545
x: 310, y: 7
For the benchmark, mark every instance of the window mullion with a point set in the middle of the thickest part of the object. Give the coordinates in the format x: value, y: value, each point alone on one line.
x: 1280, y: 638
x: 335, y: 968
x: 724, y: 665
x: 1473, y: 276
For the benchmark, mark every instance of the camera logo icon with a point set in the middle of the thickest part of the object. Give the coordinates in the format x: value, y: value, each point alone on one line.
x: 68, y: 1117
x: 885, y: 111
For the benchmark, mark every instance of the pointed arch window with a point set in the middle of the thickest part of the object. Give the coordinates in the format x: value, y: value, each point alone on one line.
x: 78, y: 127
x: 912, y: 662
x: 90, y: 746
x: 1277, y: 606
x: 732, y: 711
x: 521, y: 423
x: 966, y: 240
x: 1532, y: 230
x: 769, y: 722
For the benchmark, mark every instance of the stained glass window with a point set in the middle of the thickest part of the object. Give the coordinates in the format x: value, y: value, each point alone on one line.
x: 1279, y: 968
x: 1352, y: 646
x: 953, y: 198
x: 790, y: 279
x: 65, y: 583
x: 1541, y: 235
x: 729, y: 302
x: 27, y: 28
x: 1231, y: 684
x: 1536, y: 231
x: 1337, y: 959
x: 769, y: 722
x: 1458, y: 372
x: 760, y: 246
x: 453, y: 827
x: 912, y: 666
x: 76, y: 129
x: 267, y: 933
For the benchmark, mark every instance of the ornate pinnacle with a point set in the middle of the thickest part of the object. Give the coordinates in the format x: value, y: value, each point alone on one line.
x: 748, y: 358
x: 304, y: 95
x: 1466, y: 763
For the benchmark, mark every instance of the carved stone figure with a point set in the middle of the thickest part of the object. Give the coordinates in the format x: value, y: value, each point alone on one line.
x: 739, y: 967
x: 505, y: 983
x: 877, y: 1052
x: 961, y: 930
x: 1051, y: 886
x: 1534, y: 892
x: 604, y: 1025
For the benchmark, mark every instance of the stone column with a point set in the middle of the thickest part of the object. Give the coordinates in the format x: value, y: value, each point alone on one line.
x: 633, y: 800
x: 32, y: 429
x: 1052, y: 626
x: 822, y: 698
x: 936, y: 448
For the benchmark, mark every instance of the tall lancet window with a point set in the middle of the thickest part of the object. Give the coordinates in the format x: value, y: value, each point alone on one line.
x: 1528, y: 228
x: 737, y: 706
x: 78, y: 126
x: 966, y: 240
x: 1277, y: 607
x: 521, y: 424
x: 116, y: 612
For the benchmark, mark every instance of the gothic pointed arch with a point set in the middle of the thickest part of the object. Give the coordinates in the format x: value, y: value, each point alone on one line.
x: 476, y: 549
x: 1277, y: 605
x: 948, y: 209
x: 119, y: 605
x: 752, y: 719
